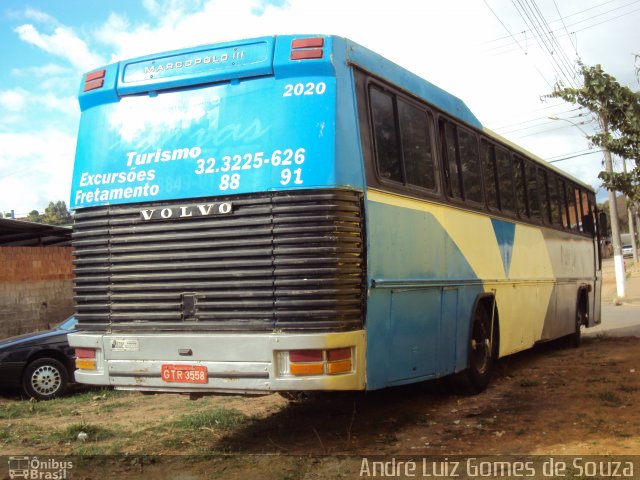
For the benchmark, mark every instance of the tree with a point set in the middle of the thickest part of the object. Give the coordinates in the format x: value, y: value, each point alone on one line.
x: 618, y: 110
x: 34, y: 216
x: 55, y: 214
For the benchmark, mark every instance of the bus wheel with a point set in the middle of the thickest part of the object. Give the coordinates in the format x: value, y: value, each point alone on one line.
x: 582, y: 318
x: 476, y: 377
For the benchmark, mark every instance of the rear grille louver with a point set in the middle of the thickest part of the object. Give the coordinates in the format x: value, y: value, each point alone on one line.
x: 280, y: 261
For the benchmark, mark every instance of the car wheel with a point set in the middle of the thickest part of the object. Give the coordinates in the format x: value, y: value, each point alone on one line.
x: 45, y: 378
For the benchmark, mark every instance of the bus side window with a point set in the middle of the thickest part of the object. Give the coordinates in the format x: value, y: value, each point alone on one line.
x: 588, y: 214
x: 490, y: 176
x: 533, y: 193
x: 415, y: 137
x: 470, y: 166
x: 544, y: 196
x: 571, y: 207
x: 521, y: 190
x: 580, y: 209
x: 556, y: 212
x: 450, y: 159
x: 562, y: 200
x: 385, y: 135
x: 505, y: 176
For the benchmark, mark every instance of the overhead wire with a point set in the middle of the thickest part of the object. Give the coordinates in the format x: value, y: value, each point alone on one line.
x: 528, y: 14
x: 508, y: 47
x: 515, y: 40
x: 567, y: 16
x: 575, y: 47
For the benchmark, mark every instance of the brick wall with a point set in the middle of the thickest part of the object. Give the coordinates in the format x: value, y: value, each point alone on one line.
x: 36, y: 288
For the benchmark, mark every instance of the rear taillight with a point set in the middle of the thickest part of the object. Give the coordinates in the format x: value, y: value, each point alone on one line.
x: 94, y: 80
x: 307, y: 48
x: 86, y: 359
x: 316, y: 362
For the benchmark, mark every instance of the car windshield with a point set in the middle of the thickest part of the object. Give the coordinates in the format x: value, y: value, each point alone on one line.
x: 68, y: 324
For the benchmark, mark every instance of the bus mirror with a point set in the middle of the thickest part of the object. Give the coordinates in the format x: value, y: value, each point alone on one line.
x: 602, y: 224
x: 587, y: 224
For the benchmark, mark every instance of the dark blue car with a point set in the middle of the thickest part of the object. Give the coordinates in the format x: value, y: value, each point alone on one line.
x: 41, y: 363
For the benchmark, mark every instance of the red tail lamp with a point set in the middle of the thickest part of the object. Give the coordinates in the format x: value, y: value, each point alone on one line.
x: 307, y: 48
x: 94, y: 80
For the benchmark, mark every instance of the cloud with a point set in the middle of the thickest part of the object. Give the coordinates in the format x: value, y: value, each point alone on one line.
x: 39, y: 16
x: 37, y: 168
x: 64, y: 43
x: 13, y: 100
x: 48, y: 70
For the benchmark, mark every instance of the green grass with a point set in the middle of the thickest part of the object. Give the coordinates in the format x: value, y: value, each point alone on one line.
x: 101, y: 394
x: 57, y: 406
x: 95, y: 433
x: 109, y: 407
x: 218, y: 418
x: 5, y: 435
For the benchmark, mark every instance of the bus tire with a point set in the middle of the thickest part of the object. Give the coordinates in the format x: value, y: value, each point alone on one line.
x: 476, y: 377
x: 582, y: 318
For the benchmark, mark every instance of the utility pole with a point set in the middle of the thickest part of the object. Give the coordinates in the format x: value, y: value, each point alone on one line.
x: 618, y: 261
x: 631, y: 217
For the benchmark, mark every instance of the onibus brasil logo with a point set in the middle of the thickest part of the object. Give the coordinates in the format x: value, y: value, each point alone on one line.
x: 40, y: 469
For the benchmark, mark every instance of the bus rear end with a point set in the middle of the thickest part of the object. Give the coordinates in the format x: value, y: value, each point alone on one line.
x: 219, y: 242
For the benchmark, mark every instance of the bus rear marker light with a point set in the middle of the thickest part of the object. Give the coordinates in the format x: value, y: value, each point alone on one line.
x: 312, y: 53
x: 307, y: 48
x: 94, y: 80
x: 307, y: 43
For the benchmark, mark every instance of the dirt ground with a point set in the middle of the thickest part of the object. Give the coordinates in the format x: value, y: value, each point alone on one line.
x: 552, y: 400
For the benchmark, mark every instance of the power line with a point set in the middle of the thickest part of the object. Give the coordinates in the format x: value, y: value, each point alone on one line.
x: 529, y: 17
x: 575, y: 47
x: 633, y: 2
x: 508, y: 47
x: 568, y: 156
x: 550, y: 130
x: 567, y: 16
x: 514, y: 39
x: 554, y: 41
x: 545, y: 117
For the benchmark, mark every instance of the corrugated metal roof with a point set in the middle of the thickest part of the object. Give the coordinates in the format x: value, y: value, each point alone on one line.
x: 17, y: 233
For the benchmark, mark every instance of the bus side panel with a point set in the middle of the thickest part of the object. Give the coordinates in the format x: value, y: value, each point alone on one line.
x: 421, y: 297
x: 572, y: 259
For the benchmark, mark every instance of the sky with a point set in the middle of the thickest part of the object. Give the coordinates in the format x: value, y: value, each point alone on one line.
x: 497, y: 55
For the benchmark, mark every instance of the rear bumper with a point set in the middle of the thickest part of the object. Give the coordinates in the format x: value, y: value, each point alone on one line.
x: 238, y: 363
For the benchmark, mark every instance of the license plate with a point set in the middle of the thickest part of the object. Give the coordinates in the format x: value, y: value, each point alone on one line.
x: 184, y: 373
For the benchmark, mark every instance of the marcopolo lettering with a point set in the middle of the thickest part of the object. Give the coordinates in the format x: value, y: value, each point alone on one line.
x: 188, y: 211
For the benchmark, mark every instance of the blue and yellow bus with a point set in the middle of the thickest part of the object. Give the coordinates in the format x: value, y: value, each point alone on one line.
x: 297, y: 213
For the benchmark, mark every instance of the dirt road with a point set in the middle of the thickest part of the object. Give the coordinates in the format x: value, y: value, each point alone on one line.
x: 550, y: 400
